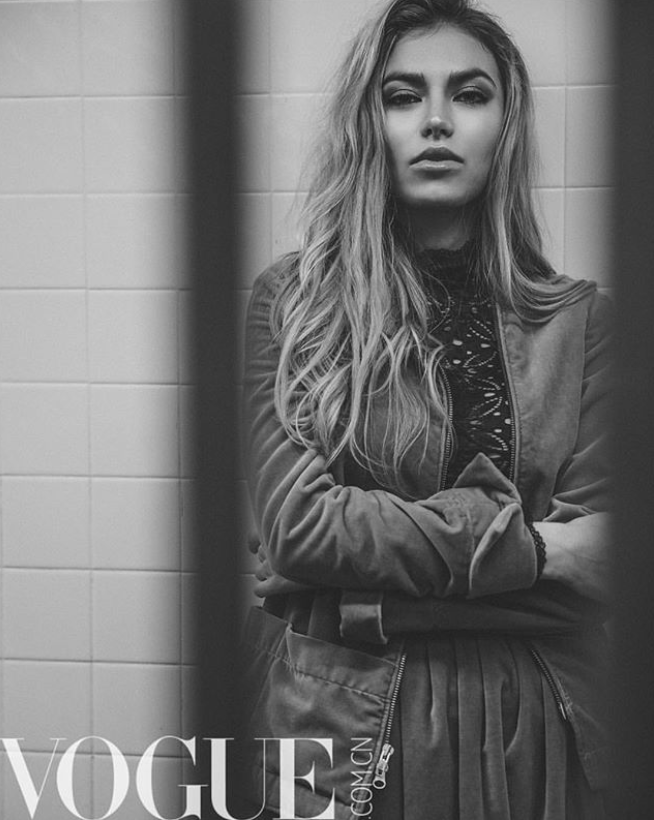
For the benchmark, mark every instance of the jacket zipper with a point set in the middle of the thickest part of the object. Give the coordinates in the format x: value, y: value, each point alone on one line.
x: 510, y: 391
x: 447, y: 449
x: 381, y: 768
x: 549, y: 677
x: 387, y: 750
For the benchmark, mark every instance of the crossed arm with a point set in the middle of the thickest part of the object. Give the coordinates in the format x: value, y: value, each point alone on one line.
x: 466, y: 542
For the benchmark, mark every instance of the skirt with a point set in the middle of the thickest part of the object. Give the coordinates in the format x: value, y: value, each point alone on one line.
x: 478, y: 736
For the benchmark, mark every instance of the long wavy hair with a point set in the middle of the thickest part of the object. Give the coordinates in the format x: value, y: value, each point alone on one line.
x: 352, y: 317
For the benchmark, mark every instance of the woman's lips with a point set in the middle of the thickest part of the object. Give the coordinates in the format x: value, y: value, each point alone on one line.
x: 436, y: 156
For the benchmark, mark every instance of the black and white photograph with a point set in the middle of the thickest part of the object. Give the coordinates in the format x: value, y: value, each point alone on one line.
x: 324, y: 389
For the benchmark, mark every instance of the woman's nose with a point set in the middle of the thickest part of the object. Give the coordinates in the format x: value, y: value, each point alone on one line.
x: 437, y: 125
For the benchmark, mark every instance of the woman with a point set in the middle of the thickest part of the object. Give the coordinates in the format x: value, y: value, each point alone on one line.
x: 426, y: 405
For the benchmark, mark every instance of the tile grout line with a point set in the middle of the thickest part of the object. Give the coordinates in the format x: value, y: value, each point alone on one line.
x: 85, y: 229
x: 179, y: 150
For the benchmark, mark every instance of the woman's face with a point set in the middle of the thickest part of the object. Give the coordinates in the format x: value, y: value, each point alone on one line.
x: 444, y: 106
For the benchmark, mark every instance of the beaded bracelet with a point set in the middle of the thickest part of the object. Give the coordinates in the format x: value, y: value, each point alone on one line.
x: 541, y: 551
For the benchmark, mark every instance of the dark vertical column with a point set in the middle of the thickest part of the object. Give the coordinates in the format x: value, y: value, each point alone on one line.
x: 211, y: 63
x: 633, y: 126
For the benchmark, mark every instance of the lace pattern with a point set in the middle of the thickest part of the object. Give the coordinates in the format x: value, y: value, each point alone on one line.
x: 464, y: 321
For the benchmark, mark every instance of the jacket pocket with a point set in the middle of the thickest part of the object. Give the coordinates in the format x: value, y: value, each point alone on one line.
x: 577, y: 670
x: 300, y: 687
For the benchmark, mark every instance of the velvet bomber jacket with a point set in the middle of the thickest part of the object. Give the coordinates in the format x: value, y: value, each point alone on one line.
x: 381, y: 565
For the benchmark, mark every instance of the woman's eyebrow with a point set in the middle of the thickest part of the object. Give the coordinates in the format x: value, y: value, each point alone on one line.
x: 457, y: 77
x: 416, y: 78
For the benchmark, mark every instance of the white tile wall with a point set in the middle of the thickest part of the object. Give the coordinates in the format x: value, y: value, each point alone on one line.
x: 291, y: 136
x: 134, y: 241
x: 135, y: 523
x: 91, y: 266
x: 45, y: 522
x: 185, y: 321
x: 306, y: 38
x: 187, y: 513
x: 129, y: 144
x: 43, y: 336
x: 133, y: 336
x: 186, y: 421
x: 179, y: 48
x: 550, y: 205
x: 38, y: 720
x: 255, y: 215
x: 539, y: 30
x: 190, y: 591
x: 136, y: 617
x: 41, y: 145
x: 46, y: 614
x: 189, y: 688
x: 95, y: 396
x: 550, y: 132
x: 285, y: 209
x: 589, y: 46
x: 128, y: 48
x: 44, y: 429
x: 42, y: 241
x: 180, y: 136
x: 134, y: 430
x: 254, y: 44
x: 253, y: 151
x: 588, y: 224
x: 588, y: 130
x: 39, y: 49
x: 152, y: 693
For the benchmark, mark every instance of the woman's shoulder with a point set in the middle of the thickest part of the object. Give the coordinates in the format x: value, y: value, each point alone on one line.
x: 580, y: 309
x: 579, y: 301
x: 587, y: 294
x: 561, y: 283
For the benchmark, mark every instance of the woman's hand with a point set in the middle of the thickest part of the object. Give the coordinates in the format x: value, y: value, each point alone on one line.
x: 578, y: 554
x: 269, y: 582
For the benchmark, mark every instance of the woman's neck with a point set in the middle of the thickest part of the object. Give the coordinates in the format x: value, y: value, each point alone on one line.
x: 439, y: 229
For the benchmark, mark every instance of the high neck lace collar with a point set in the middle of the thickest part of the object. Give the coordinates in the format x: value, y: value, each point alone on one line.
x: 452, y: 269
x: 448, y: 257
x: 447, y: 262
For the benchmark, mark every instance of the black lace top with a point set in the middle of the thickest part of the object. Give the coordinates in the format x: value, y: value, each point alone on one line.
x: 464, y: 320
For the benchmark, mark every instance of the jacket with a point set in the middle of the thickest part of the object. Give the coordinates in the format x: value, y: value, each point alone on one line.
x: 460, y: 559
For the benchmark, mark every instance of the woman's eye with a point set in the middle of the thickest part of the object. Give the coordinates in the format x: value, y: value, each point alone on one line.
x: 400, y: 99
x: 471, y: 96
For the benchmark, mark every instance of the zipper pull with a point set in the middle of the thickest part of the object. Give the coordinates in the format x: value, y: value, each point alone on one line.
x: 562, y: 710
x: 379, y: 780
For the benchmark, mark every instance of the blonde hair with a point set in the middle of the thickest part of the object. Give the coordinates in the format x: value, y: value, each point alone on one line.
x: 352, y: 316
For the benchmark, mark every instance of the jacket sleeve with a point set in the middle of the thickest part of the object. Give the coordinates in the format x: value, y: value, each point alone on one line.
x: 322, y: 533
x: 582, y: 489
x: 583, y: 485
x: 546, y: 609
